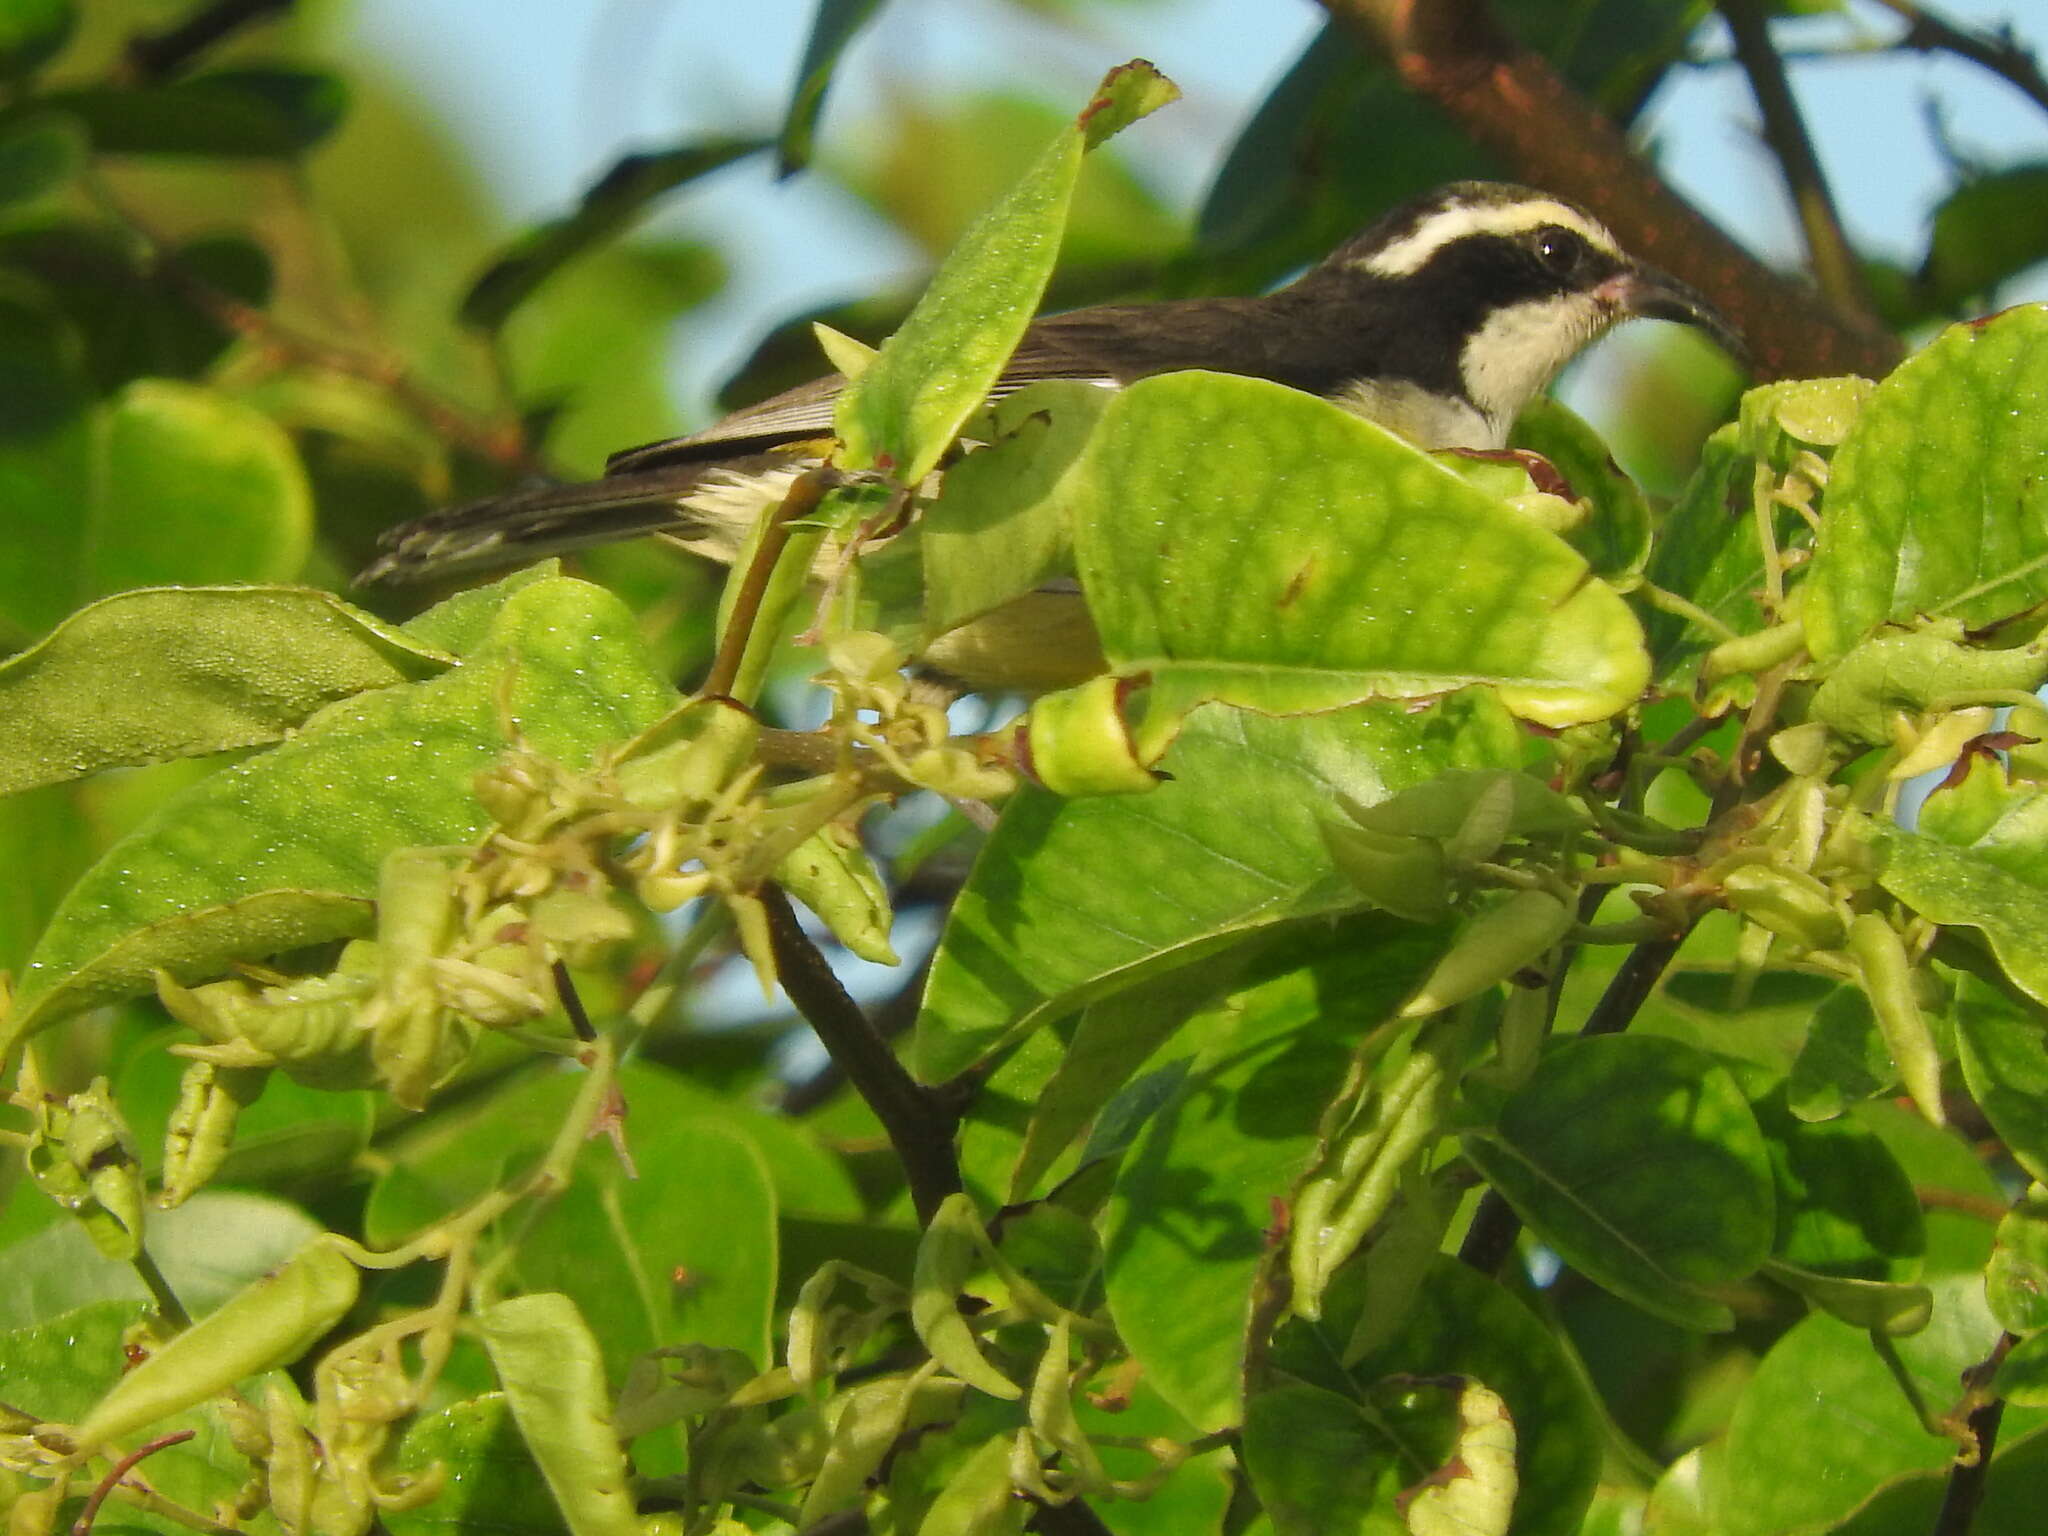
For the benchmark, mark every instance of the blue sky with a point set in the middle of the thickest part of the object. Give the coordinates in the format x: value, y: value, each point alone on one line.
x: 546, y: 93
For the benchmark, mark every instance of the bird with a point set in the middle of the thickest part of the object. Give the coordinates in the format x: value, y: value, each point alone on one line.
x: 1441, y: 321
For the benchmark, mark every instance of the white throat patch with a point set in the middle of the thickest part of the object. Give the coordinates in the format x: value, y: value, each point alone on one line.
x: 1506, y: 363
x: 1412, y: 252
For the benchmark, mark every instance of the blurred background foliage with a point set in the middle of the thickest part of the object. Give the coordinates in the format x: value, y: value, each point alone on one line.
x: 258, y: 302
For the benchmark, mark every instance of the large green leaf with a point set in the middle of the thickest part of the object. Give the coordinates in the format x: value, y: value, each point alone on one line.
x: 1823, y: 1385
x: 684, y: 1253
x: 1072, y: 900
x: 491, y: 1481
x: 1589, y: 1151
x: 1242, y: 541
x: 1997, y: 884
x: 285, y: 849
x: 181, y: 671
x: 168, y: 482
x: 1938, y: 501
x: 258, y: 112
x: 1199, y: 1189
x: 904, y: 410
x: 1331, y: 1459
x: 2005, y: 1064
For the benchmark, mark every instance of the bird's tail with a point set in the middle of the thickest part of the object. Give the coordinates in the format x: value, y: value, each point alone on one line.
x: 705, y: 507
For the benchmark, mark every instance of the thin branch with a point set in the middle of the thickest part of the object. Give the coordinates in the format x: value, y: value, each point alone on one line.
x: 1968, y: 1476
x: 919, y: 1122
x: 82, y: 1526
x: 1997, y: 53
x: 1834, y: 261
x: 503, y: 444
x: 163, y: 55
x: 1514, y: 104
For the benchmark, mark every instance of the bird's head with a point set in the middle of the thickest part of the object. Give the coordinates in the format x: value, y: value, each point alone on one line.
x: 1503, y: 285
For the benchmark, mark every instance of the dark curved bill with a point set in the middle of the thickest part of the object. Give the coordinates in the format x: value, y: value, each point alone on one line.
x: 1655, y: 295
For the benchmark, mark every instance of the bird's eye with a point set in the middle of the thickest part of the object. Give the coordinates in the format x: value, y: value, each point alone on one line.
x: 1559, y: 249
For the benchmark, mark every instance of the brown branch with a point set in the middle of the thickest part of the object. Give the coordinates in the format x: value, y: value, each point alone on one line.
x: 1515, y: 105
x: 1927, y: 33
x: 919, y: 1121
x: 82, y: 1526
x: 162, y: 55
x: 1834, y: 262
x: 805, y: 492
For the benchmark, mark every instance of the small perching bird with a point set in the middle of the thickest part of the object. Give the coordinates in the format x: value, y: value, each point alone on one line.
x: 1440, y: 322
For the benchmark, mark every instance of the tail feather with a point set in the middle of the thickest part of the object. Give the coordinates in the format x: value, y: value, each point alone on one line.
x: 705, y: 507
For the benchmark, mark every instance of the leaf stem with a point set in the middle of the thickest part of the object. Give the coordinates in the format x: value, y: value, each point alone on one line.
x: 82, y: 1526
x: 805, y: 492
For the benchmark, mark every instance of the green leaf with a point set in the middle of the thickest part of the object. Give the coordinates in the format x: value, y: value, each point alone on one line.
x: 1073, y: 900
x: 612, y: 202
x: 2023, y: 1374
x: 1998, y: 884
x: 1844, y: 1205
x: 2016, y: 1280
x: 57, y: 1368
x: 1938, y: 503
x: 1196, y: 1193
x: 2005, y: 1065
x: 554, y: 1382
x: 39, y: 155
x: 132, y: 316
x: 259, y: 113
x: 32, y: 32
x: 1333, y: 1463
x: 172, y: 483
x: 1991, y: 228
x: 491, y: 1481
x: 1242, y: 541
x: 1822, y: 1385
x: 978, y: 1499
x: 1842, y: 1060
x: 177, y: 672
x: 1614, y: 538
x: 999, y: 527
x: 685, y: 1253
x: 1573, y: 1150
x: 285, y: 849
x: 208, y: 1249
x: 901, y: 414
x: 834, y: 24
x: 441, y: 1164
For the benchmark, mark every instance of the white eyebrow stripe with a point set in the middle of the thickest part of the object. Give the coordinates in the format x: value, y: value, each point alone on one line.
x: 1412, y: 251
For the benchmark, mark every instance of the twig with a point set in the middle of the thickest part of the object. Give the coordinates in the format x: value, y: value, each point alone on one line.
x: 2003, y: 57
x: 1513, y: 103
x: 161, y: 55
x: 1968, y: 1475
x: 82, y: 1526
x: 168, y: 1307
x: 1834, y: 263
x: 919, y: 1123
x: 503, y: 444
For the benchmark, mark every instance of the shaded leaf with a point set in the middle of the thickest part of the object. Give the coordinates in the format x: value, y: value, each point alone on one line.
x: 2005, y: 1064
x: 834, y: 24
x: 257, y: 112
x: 1072, y: 900
x: 613, y: 202
x: 1589, y: 1149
